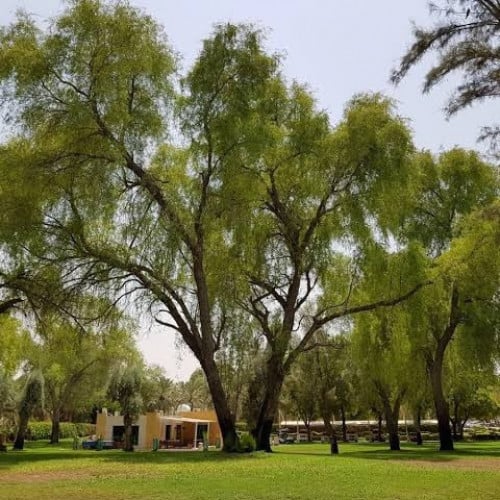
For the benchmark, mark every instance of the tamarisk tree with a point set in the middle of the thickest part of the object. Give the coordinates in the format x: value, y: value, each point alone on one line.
x: 456, y: 220
x: 228, y: 189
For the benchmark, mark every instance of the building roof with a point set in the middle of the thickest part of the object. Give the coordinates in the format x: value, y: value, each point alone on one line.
x: 179, y: 419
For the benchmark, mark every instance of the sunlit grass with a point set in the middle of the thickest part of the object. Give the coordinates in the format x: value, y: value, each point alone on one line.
x: 294, y: 472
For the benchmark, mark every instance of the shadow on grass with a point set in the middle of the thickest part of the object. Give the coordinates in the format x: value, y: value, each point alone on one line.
x: 428, y: 453
x: 41, y: 452
x: 54, y: 454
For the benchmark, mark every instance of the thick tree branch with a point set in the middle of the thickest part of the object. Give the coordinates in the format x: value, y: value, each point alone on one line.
x: 9, y: 304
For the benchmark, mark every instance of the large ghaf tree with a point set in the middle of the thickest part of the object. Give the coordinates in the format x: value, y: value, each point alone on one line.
x: 93, y: 96
x: 250, y: 202
x: 323, y: 194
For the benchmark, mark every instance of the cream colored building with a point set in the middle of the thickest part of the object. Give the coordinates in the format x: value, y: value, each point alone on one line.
x: 184, y: 430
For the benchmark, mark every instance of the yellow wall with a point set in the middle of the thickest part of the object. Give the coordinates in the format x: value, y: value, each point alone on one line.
x: 153, y: 428
x: 188, y: 433
x: 214, y: 434
x: 100, y: 425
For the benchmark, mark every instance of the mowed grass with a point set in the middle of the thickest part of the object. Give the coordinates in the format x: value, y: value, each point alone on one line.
x: 303, y: 471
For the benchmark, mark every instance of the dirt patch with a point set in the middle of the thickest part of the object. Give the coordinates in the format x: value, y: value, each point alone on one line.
x: 488, y: 464
x: 71, y: 475
x: 46, y: 476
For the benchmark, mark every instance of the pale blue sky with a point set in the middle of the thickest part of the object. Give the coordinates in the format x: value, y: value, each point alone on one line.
x: 338, y: 47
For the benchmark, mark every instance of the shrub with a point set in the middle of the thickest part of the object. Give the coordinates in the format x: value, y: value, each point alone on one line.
x: 247, y: 443
x: 241, y: 427
x: 42, y: 430
x: 38, y: 430
x: 85, y: 429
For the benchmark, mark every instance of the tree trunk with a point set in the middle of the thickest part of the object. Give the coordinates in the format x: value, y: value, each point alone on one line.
x: 441, y: 405
x: 461, y: 427
x: 55, y: 432
x: 269, y: 407
x: 379, y: 427
x: 334, y: 445
x: 454, y: 420
x: 308, y: 430
x: 3, y: 447
x: 435, y: 369
x: 128, y: 445
x: 418, y: 427
x: 391, y: 422
x: 264, y: 426
x: 344, y: 426
x: 21, y: 432
x: 454, y: 429
x: 330, y: 430
x: 221, y: 405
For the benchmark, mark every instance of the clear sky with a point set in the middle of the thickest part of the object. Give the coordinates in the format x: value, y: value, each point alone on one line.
x: 337, y: 47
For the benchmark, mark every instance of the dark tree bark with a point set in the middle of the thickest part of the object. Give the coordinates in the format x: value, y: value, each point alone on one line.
x: 9, y: 304
x: 32, y: 398
x: 56, y: 426
x: 461, y: 428
x: 379, y: 427
x: 334, y: 445
x: 274, y: 381
x: 221, y: 405
x: 3, y: 447
x: 391, y: 417
x: 454, y: 420
x: 391, y: 421
x: 21, y: 431
x: 441, y: 406
x: 417, y: 423
x: 435, y: 370
x: 308, y: 430
x: 128, y: 444
x: 344, y: 426
x: 330, y: 430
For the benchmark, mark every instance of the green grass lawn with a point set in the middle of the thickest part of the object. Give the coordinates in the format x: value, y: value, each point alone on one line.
x: 302, y: 471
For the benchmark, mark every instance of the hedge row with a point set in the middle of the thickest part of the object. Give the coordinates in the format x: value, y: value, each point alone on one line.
x: 42, y: 430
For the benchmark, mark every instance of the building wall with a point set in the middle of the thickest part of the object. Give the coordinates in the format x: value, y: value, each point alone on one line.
x: 152, y: 425
x: 100, y: 425
x: 105, y: 424
x: 153, y: 429
x: 214, y: 434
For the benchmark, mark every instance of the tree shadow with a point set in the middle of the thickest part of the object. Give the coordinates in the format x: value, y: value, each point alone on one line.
x: 15, y: 458
x: 427, y: 454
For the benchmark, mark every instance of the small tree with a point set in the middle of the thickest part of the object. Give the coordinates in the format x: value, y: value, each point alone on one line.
x: 383, y: 356
x: 470, y: 377
x: 7, y: 407
x: 125, y: 389
x: 32, y: 398
x: 196, y: 392
x: 455, y: 218
x: 302, y: 390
